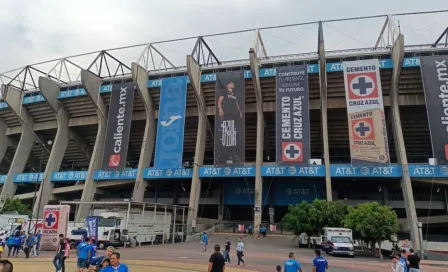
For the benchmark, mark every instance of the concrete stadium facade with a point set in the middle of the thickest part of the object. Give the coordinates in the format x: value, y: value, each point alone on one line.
x: 52, y: 139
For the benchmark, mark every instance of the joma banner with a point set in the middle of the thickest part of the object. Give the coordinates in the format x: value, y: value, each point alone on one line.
x: 229, y: 119
x: 171, y: 123
x: 365, y: 110
x: 118, y: 127
x: 435, y: 83
x: 292, y: 115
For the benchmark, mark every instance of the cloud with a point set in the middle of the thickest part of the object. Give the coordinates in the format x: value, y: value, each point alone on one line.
x: 38, y: 30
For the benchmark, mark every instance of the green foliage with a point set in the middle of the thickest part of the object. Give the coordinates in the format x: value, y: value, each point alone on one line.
x: 311, y: 218
x: 15, y: 205
x: 372, y: 222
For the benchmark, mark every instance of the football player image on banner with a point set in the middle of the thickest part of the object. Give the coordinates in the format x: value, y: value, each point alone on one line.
x: 229, y: 119
x: 118, y: 126
x: 292, y: 115
x: 435, y: 83
x: 365, y: 110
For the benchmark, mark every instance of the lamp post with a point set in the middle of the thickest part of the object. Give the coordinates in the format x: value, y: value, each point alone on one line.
x: 49, y: 143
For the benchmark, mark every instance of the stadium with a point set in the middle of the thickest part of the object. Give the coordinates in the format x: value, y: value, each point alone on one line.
x: 55, y: 126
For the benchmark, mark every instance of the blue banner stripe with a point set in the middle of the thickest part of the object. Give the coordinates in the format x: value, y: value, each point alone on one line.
x: 337, y: 170
x: 264, y: 72
x: 171, y: 123
x: 3, y: 179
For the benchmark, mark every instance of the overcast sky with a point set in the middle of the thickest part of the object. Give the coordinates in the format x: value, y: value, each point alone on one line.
x: 39, y: 30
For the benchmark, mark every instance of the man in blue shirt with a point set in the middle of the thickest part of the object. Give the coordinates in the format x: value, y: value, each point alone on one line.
x: 37, y: 245
x: 204, y: 241
x: 292, y: 265
x: 319, y: 263
x: 115, y: 265
x: 29, y: 243
x: 83, y: 252
x: 92, y: 244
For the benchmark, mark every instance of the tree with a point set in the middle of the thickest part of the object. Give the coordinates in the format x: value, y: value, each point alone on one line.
x: 15, y: 205
x: 299, y: 218
x: 311, y: 218
x: 329, y: 214
x: 372, y: 222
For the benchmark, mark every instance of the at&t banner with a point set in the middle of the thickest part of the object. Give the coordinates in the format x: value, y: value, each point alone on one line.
x: 365, y: 110
x: 292, y: 115
x: 229, y: 119
x: 435, y: 83
x: 118, y: 126
x: 171, y: 123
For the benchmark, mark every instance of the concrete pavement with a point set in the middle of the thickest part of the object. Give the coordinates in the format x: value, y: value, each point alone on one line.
x: 260, y: 255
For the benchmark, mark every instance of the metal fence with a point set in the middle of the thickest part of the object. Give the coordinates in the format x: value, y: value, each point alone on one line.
x: 243, y: 227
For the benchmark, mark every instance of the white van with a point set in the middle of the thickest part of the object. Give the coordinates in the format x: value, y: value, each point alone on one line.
x: 340, y: 241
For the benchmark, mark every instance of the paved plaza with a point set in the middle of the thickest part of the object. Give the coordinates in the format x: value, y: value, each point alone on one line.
x: 260, y: 255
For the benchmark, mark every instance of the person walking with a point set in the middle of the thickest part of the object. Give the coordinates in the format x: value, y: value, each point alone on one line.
x: 240, y: 251
x: 216, y: 262
x: 396, y: 265
x: 60, y: 251
x: 10, y: 243
x: 29, y: 243
x: 16, y: 245
x: 227, y: 244
x: 292, y: 265
x: 66, y: 254
x: 204, y: 241
x: 413, y: 261
x: 37, y: 245
x: 319, y: 263
x: 83, y: 252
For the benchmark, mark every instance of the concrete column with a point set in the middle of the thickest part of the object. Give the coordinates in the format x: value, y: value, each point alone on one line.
x: 254, y: 66
x: 50, y: 90
x: 140, y: 78
x: 411, y: 214
x: 323, y: 110
x: 194, y: 72
x: 13, y: 97
x: 91, y: 84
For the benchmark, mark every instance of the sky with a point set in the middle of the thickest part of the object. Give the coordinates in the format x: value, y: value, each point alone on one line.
x: 40, y: 30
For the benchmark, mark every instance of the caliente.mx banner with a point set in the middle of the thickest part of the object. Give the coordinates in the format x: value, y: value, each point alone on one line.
x: 118, y: 126
x: 435, y: 83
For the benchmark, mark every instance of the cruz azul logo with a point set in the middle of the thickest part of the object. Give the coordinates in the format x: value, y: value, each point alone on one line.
x: 363, y: 129
x: 292, y: 152
x: 362, y: 85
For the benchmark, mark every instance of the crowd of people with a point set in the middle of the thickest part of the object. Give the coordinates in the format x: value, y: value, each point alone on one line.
x: 406, y: 262
x: 218, y: 260
x: 87, y: 259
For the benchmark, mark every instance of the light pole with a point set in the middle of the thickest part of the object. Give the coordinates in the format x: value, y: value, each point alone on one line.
x: 49, y: 143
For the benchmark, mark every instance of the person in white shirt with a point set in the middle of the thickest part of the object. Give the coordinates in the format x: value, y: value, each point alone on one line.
x: 240, y: 251
x: 396, y: 265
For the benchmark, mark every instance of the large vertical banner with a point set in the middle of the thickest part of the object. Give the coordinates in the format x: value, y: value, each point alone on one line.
x: 292, y: 115
x: 171, y: 123
x: 229, y: 119
x: 435, y: 83
x: 92, y: 227
x: 118, y: 126
x: 365, y: 110
x: 55, y: 223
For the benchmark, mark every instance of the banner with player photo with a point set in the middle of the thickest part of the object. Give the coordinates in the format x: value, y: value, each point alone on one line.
x: 365, y: 110
x: 292, y: 116
x: 229, y: 119
x: 435, y: 84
